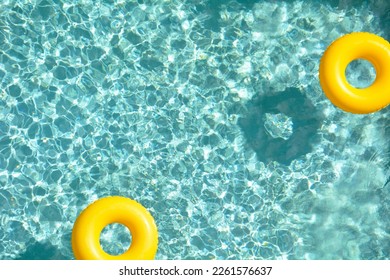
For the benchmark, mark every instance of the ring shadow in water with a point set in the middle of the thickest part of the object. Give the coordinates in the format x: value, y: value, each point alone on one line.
x: 41, y: 251
x: 292, y: 103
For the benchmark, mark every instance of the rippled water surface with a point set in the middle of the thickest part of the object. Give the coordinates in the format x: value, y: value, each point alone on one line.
x: 209, y: 113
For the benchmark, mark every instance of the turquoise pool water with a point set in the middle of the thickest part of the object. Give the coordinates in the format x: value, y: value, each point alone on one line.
x: 209, y: 113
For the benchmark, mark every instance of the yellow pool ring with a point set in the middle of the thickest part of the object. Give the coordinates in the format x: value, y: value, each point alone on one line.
x: 114, y: 209
x: 358, y: 45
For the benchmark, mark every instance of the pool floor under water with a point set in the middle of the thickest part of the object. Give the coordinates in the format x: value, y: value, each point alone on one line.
x: 208, y: 113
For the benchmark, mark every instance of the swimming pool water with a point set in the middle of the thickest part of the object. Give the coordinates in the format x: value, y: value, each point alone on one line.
x: 209, y: 113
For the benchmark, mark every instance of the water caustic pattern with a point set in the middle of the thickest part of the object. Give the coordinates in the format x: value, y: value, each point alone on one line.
x: 151, y: 100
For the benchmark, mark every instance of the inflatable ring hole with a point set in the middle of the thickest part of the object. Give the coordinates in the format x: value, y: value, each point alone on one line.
x: 360, y: 73
x: 115, y: 239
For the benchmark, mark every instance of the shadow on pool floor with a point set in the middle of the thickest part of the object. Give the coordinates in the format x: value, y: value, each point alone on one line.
x: 41, y: 251
x: 292, y: 103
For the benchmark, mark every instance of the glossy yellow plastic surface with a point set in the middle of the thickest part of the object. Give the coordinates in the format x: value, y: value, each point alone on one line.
x: 115, y: 209
x: 340, y: 53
